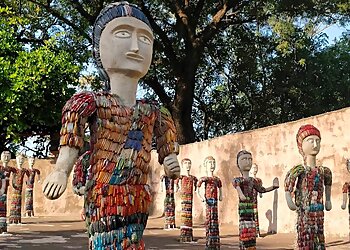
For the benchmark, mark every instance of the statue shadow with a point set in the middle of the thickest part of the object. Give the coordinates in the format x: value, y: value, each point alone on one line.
x: 271, y: 216
x: 337, y: 243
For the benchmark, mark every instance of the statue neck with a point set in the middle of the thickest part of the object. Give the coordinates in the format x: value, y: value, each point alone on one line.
x: 188, y: 173
x: 5, y: 164
x: 245, y: 174
x: 125, y: 87
x: 210, y: 174
x: 310, y: 161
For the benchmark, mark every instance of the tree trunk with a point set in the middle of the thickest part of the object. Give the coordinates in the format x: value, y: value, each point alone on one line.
x: 183, y: 102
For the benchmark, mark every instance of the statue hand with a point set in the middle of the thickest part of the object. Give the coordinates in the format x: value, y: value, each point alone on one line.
x: 55, y: 184
x: 171, y: 166
x: 276, y: 183
x: 343, y: 206
x: 328, y: 205
x: 242, y: 197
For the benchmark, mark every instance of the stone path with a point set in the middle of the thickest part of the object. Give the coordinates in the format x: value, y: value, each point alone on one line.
x: 49, y: 233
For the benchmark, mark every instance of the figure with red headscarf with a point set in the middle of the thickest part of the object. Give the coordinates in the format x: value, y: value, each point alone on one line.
x: 307, y: 182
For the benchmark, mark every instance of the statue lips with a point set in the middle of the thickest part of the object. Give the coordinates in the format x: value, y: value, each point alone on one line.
x: 134, y: 56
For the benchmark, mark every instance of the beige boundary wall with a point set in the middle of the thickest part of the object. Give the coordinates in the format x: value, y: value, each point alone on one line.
x: 275, y: 151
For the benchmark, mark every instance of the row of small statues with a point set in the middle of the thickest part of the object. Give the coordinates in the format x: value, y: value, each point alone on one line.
x: 307, y: 181
x: 18, y: 175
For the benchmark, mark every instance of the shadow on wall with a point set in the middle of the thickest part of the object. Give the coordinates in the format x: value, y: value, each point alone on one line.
x: 272, y: 215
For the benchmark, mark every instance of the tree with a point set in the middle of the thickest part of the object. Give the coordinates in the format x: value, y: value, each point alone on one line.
x: 191, y: 35
x: 35, y: 82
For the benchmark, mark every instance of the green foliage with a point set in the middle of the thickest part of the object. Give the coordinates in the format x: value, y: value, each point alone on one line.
x: 35, y: 84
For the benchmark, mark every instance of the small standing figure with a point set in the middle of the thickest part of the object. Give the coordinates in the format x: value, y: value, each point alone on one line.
x: 5, y: 171
x: 254, y: 171
x: 17, y: 184
x: 247, y: 188
x: 311, y: 181
x: 213, y: 191
x: 187, y: 183
x: 346, y: 193
x: 32, y: 172
x: 169, y: 201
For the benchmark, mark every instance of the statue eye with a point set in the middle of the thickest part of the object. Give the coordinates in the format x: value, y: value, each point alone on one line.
x: 122, y: 34
x: 145, y: 39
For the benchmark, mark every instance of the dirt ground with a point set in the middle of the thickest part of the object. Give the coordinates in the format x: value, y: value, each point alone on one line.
x: 53, y: 233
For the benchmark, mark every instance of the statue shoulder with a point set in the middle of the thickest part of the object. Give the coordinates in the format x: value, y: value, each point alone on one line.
x: 83, y: 103
x: 297, y: 170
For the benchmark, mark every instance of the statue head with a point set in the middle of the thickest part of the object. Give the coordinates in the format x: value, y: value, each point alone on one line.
x: 209, y: 164
x: 244, y: 160
x: 308, y: 140
x: 254, y: 170
x: 122, y: 41
x: 20, y: 159
x: 5, y: 157
x: 31, y: 161
x: 187, y: 164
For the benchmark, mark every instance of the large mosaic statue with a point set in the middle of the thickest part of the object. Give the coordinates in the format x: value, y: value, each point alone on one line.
x: 114, y: 182
x: 187, y: 183
x: 5, y: 173
x: 32, y: 172
x: 17, y: 184
x: 247, y: 188
x: 307, y: 182
x: 169, y: 201
x: 213, y: 193
x: 254, y: 171
x: 346, y: 193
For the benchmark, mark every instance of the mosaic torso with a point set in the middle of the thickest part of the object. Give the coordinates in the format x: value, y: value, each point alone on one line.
x: 114, y: 171
x: 246, y: 209
x: 31, y: 177
x: 307, y: 184
x: 212, y: 184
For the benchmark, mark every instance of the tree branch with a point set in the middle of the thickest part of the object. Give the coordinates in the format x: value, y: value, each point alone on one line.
x: 58, y: 15
x: 168, y: 49
x: 79, y: 7
x: 182, y: 17
x: 154, y: 83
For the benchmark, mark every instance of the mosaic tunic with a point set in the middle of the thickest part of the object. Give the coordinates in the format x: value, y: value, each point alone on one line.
x: 16, y: 199
x: 169, y: 202
x: 308, y: 193
x: 117, y: 197
x: 246, y: 209
x: 212, y: 184
x: 5, y: 173
x: 187, y: 184
x: 255, y: 207
x: 29, y: 191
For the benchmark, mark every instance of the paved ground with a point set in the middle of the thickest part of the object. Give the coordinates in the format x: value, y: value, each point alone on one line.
x: 68, y: 233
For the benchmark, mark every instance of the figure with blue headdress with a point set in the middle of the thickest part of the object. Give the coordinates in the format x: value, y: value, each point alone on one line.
x: 112, y: 175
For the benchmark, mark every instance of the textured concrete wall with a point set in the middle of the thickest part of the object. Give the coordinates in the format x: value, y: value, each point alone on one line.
x: 275, y: 151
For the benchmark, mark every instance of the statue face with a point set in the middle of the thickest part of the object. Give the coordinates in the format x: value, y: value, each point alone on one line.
x: 311, y: 145
x: 187, y: 165
x: 31, y: 161
x: 5, y: 156
x: 20, y: 160
x: 126, y: 46
x: 245, y: 162
x: 210, y: 165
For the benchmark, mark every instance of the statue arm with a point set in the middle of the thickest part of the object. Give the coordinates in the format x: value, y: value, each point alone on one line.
x: 289, y: 183
x: 236, y: 184
x: 345, y: 194
x: 167, y: 146
x: 74, y: 116
x: 328, y: 188
x: 198, y: 192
